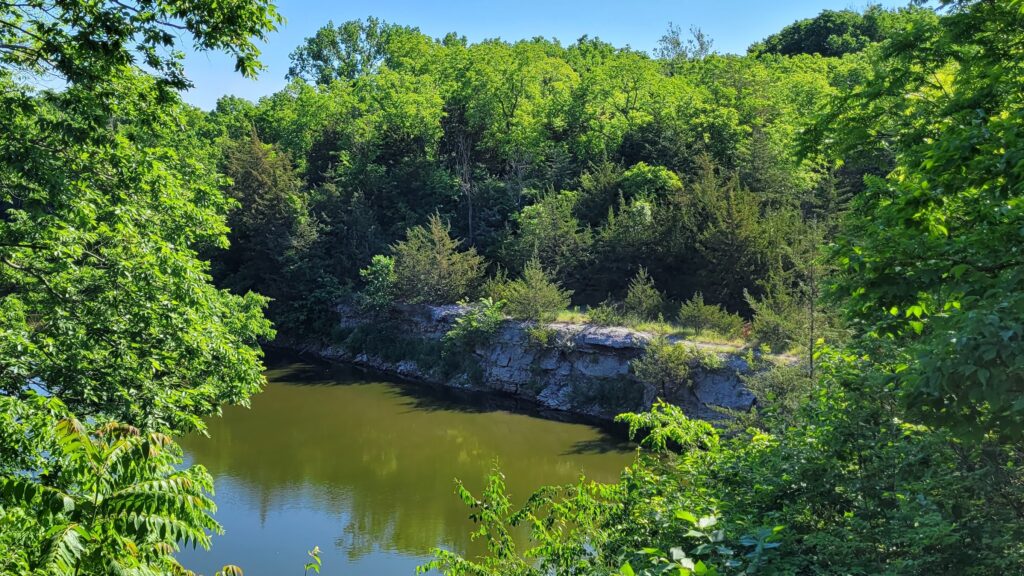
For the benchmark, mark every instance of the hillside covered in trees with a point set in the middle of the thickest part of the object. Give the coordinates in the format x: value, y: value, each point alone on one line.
x: 593, y: 161
x: 851, y: 189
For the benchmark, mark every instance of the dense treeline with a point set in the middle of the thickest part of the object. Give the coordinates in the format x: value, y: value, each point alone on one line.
x: 869, y: 163
x: 834, y: 33
x: 592, y: 160
x: 903, y: 454
x: 112, y: 335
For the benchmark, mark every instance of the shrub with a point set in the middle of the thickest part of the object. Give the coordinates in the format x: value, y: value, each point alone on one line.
x: 664, y: 364
x: 534, y: 296
x: 643, y: 300
x: 541, y: 336
x: 780, y: 392
x: 380, y: 288
x: 430, y: 268
x: 778, y: 322
x: 314, y: 315
x: 706, y: 359
x: 605, y: 314
x: 475, y: 327
x: 549, y: 231
x: 728, y: 324
x: 666, y: 426
x: 698, y: 316
x: 496, y: 287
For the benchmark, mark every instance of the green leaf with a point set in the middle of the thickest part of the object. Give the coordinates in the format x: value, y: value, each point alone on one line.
x: 687, y: 516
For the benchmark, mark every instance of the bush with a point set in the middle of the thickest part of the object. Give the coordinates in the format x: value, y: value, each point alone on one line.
x: 780, y: 393
x: 666, y: 426
x: 378, y: 294
x: 698, y: 316
x: 430, y: 268
x: 778, y: 322
x: 728, y: 324
x: 541, y: 336
x: 706, y: 359
x: 549, y: 231
x: 643, y: 301
x: 475, y: 327
x: 496, y: 287
x: 533, y: 297
x: 605, y: 314
x: 664, y: 364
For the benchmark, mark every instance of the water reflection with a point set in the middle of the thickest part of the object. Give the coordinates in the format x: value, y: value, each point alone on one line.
x: 365, y: 469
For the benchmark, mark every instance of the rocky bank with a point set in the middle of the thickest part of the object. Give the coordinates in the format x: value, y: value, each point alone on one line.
x: 581, y: 369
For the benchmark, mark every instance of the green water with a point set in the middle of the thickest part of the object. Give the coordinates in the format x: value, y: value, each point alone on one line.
x: 365, y: 470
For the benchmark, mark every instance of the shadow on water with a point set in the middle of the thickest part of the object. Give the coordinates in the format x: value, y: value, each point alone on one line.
x: 605, y: 444
x: 300, y: 370
x: 366, y: 467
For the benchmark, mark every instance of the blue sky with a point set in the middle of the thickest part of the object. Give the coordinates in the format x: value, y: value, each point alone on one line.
x: 733, y: 24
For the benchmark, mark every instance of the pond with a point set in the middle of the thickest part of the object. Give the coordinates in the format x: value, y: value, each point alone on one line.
x: 365, y: 469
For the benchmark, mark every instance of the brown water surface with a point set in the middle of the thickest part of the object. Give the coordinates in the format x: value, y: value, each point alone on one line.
x: 365, y: 469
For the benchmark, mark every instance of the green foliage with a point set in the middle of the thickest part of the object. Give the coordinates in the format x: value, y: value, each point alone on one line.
x: 110, y: 192
x: 496, y: 519
x: 62, y: 40
x: 549, y: 233
x: 314, y: 563
x: 637, y: 526
x: 430, y: 268
x: 390, y: 343
x: 474, y: 327
x: 110, y: 498
x: 781, y: 392
x: 835, y: 33
x: 643, y: 301
x: 578, y: 156
x: 665, y: 425
x: 929, y: 258
x: 534, y: 296
x: 664, y: 365
x: 380, y: 285
x: 270, y: 224
x: 778, y: 322
x: 109, y: 306
x: 351, y: 50
x: 707, y: 359
x: 541, y: 336
x: 606, y: 314
x: 698, y: 316
x: 899, y: 454
x: 643, y: 181
x: 737, y: 243
x: 106, y: 302
x: 627, y: 236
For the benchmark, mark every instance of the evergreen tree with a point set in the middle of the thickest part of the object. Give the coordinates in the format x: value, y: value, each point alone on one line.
x: 430, y: 268
x: 270, y: 225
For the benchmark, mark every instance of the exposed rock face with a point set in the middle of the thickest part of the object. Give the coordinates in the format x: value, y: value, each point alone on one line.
x: 583, y: 369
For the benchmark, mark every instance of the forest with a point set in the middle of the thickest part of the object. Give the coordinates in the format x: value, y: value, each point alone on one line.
x: 849, y: 192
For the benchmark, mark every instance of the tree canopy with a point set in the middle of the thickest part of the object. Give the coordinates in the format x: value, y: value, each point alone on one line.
x: 112, y: 334
x: 849, y: 193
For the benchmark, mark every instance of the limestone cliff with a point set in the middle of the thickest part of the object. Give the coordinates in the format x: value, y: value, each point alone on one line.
x: 583, y: 369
